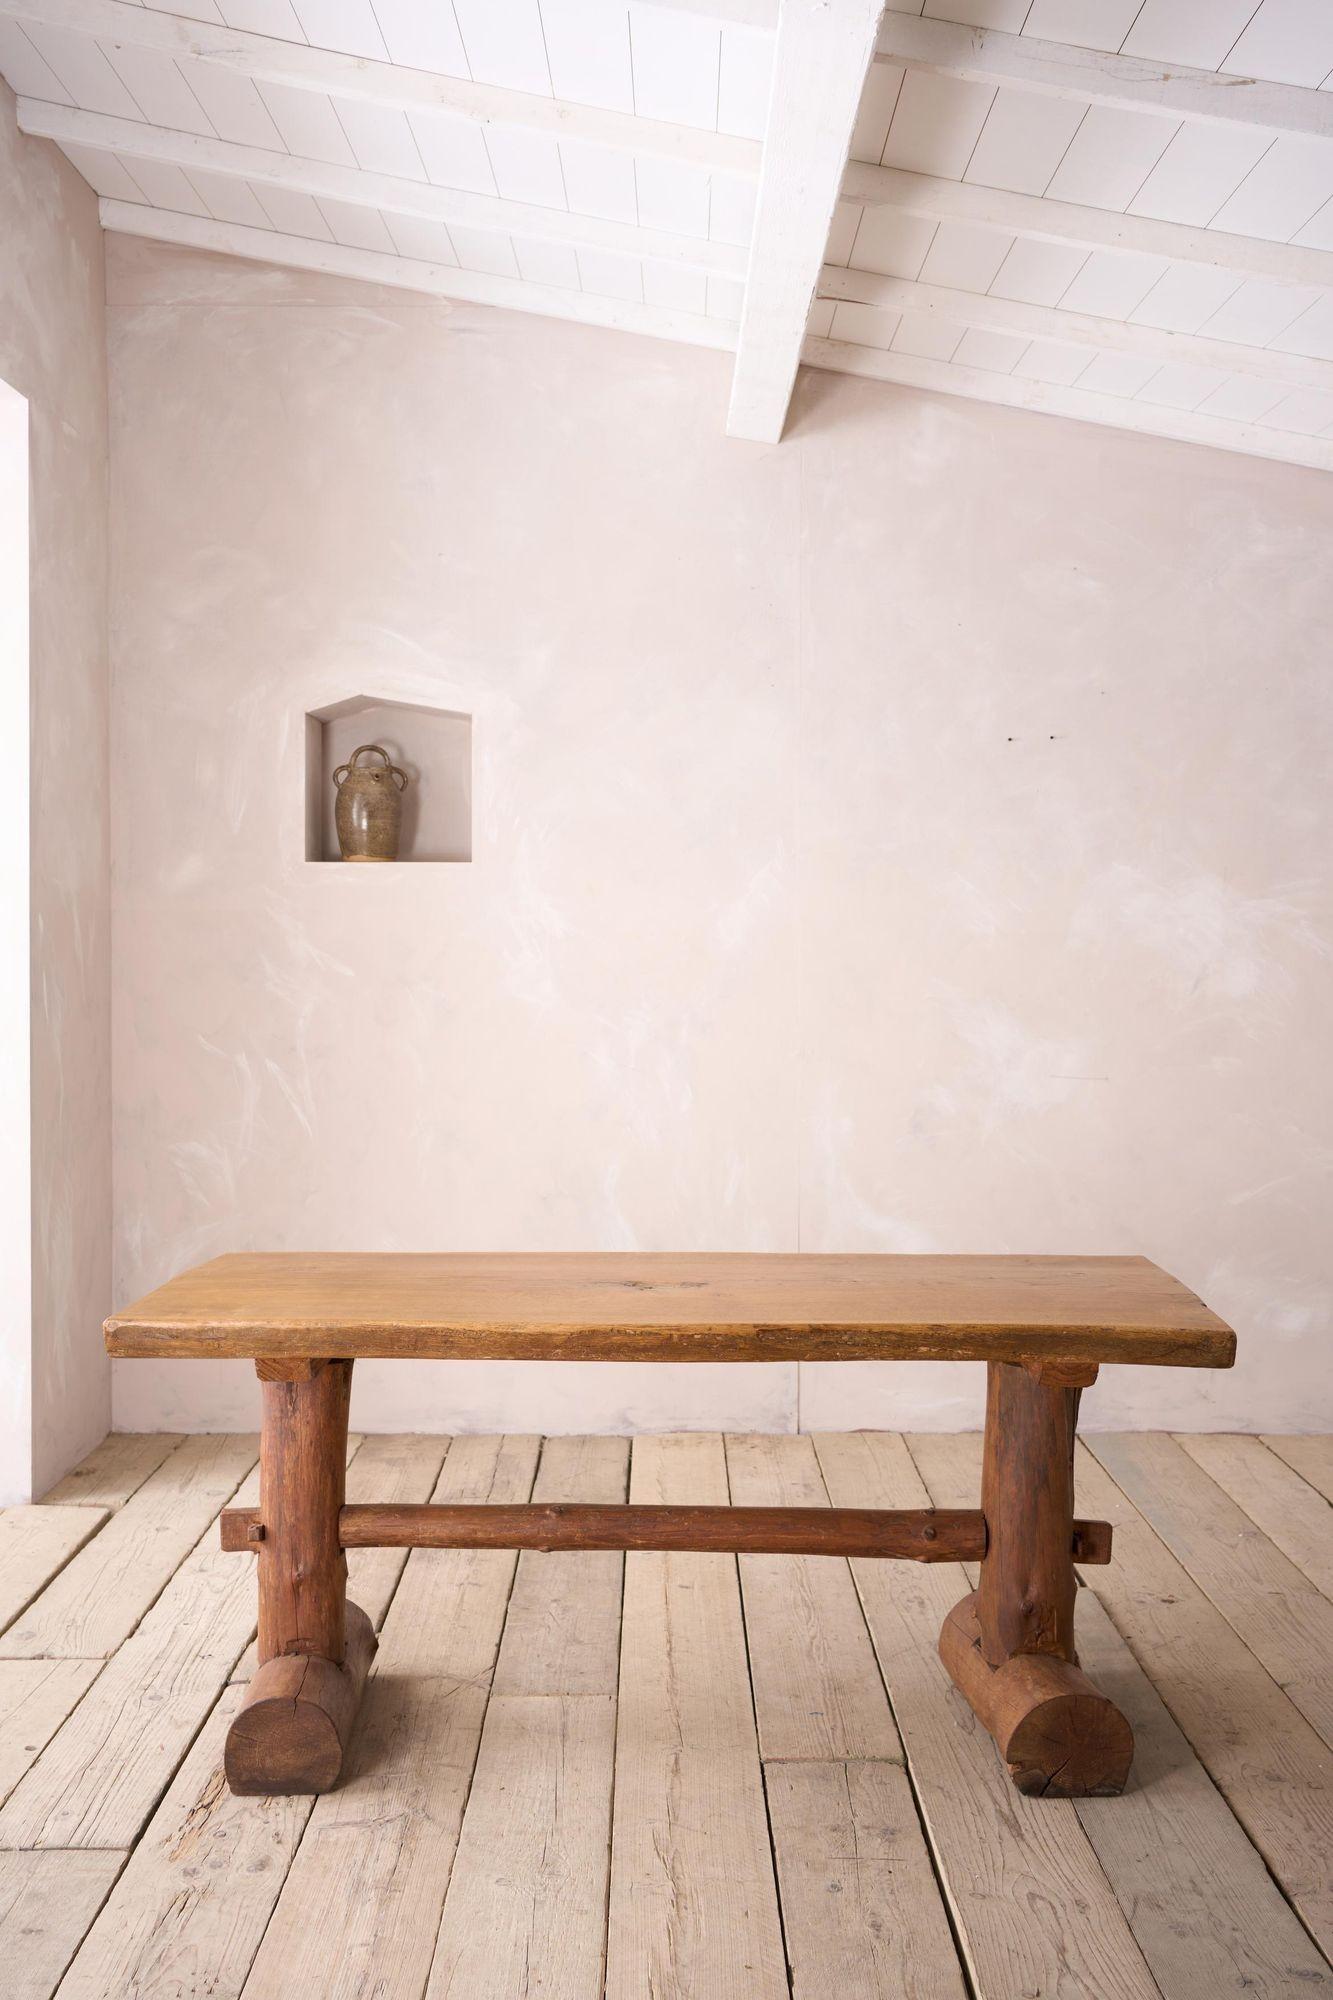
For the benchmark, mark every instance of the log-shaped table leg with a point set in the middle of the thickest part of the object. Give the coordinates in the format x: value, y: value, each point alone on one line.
x: 1009, y: 1646
x: 314, y: 1647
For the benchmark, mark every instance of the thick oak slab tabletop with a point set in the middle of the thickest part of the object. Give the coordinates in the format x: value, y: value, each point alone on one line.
x: 614, y: 1306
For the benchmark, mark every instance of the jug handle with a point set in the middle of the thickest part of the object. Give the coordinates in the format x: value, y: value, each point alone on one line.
x: 344, y: 771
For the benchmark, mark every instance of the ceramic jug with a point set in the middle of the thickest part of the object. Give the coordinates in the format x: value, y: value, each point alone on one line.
x: 369, y: 809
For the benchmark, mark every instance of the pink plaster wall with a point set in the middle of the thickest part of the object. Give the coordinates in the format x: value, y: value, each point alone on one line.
x: 52, y: 350
x: 913, y: 837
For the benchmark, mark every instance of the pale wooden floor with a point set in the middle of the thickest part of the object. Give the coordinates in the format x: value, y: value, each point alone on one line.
x: 671, y: 1778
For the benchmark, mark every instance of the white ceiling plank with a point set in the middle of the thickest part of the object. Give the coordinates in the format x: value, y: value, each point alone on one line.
x: 1086, y: 330
x: 1093, y: 228
x: 1288, y: 186
x: 1243, y: 399
x: 1024, y: 141
x: 977, y: 13
x: 1111, y: 155
x: 526, y: 166
x: 731, y: 209
x: 406, y: 274
x: 557, y: 264
x: 745, y: 82
x: 326, y: 72
x: 600, y: 183
x: 260, y: 17
x: 1182, y: 386
x: 155, y: 83
x: 234, y: 107
x: 880, y: 239
x: 1319, y: 229
x: 429, y: 242
x: 104, y: 173
x: 349, y: 25
x: 1305, y: 410
x: 1312, y: 332
x: 453, y: 151
x: 587, y: 49
x: 611, y: 277
x: 26, y: 71
x: 229, y: 200
x: 504, y: 43
x: 1201, y: 168
x: 824, y: 48
x: 867, y: 326
x: 1186, y: 31
x: 81, y: 68
x: 324, y: 180
x: 670, y: 285
x: 296, y: 214
x: 936, y: 124
x: 676, y: 61
x: 918, y: 333
x: 198, y: 10
x: 1128, y: 82
x: 1038, y: 274
x: 482, y: 250
x: 422, y: 37
x: 726, y: 299
x: 1120, y: 413
x: 879, y: 105
x: 672, y: 197
x: 381, y: 140
x: 1000, y: 352
x: 1051, y: 361
x: 358, y: 228
x: 1258, y: 313
x: 1122, y: 375
x: 1288, y: 40
x: 1184, y: 297
x: 166, y: 186
x: 308, y: 123
x: 1089, y: 24
x: 970, y: 259
x: 1111, y: 284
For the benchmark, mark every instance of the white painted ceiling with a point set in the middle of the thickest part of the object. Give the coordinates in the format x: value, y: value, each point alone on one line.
x: 1069, y: 205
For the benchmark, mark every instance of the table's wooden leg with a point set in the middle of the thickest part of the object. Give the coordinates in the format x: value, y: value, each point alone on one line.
x: 1009, y: 1646
x: 314, y: 1647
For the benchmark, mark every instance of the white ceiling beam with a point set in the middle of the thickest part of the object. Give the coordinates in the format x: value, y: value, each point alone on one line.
x: 1108, y: 336
x: 408, y: 274
x: 388, y: 193
x: 1055, y: 69
x: 1119, y: 412
x: 823, y: 54
x: 263, y: 58
x: 1046, y: 220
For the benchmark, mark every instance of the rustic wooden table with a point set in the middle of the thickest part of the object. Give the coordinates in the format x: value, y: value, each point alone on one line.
x: 1042, y: 1324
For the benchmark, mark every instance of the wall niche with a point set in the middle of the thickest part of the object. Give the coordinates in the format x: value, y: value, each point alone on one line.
x: 432, y: 745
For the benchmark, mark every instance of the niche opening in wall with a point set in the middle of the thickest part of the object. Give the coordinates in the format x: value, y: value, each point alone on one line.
x: 432, y: 745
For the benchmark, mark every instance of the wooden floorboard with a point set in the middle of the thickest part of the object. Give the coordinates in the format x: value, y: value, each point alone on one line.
x: 1312, y: 1457
x: 1293, y: 1514
x: 1008, y: 1864
x: 1207, y: 1915
x: 667, y: 1777
x: 360, y: 1909
x: 101, y: 1593
x: 35, y: 1545
x: 1279, y: 1613
x: 694, y: 1905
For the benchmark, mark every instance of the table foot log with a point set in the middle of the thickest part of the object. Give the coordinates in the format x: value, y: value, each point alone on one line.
x: 1060, y: 1738
x: 292, y: 1731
